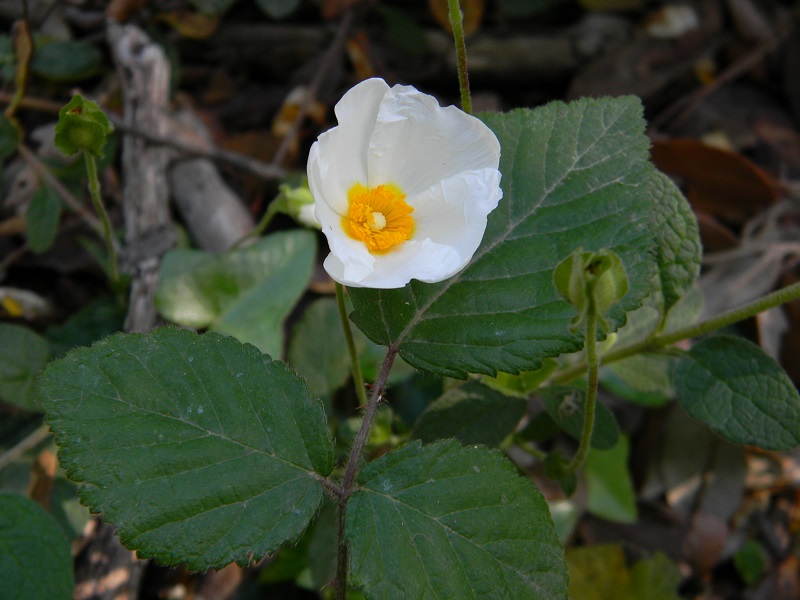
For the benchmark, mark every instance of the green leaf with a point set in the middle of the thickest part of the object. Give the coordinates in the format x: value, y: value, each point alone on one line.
x: 447, y: 521
x: 96, y: 320
x: 277, y: 9
x: 522, y: 384
x: 472, y: 414
x: 9, y: 138
x: 600, y: 572
x: 41, y: 220
x: 35, y: 557
x: 200, y: 449
x: 679, y: 250
x: 23, y: 354
x: 743, y: 395
x: 750, y: 562
x: 574, y: 175
x: 324, y: 366
x: 565, y: 406
x: 244, y: 293
x: 610, y: 492
x: 66, y: 60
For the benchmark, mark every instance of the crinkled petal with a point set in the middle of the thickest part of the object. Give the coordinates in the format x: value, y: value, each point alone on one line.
x: 454, y: 211
x: 338, y: 159
x: 416, y: 143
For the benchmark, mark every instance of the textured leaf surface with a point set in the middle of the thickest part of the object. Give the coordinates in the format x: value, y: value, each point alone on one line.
x: 23, y: 354
x: 472, y: 414
x: 447, y: 521
x: 200, y: 449
x: 574, y: 175
x: 565, y: 405
x: 35, y: 558
x: 743, y: 395
x: 679, y: 250
x: 245, y: 293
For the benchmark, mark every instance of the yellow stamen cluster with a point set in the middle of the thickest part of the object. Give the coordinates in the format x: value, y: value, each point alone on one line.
x: 378, y: 216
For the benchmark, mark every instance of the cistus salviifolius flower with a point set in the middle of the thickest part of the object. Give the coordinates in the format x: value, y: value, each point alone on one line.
x: 402, y: 186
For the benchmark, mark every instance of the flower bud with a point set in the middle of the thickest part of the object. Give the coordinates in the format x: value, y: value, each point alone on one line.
x: 82, y: 126
x: 591, y: 281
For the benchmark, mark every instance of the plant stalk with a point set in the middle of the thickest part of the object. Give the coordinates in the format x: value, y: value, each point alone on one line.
x: 593, y: 368
x: 355, y: 364
x: 351, y: 469
x: 657, y: 342
x: 457, y: 23
x: 100, y: 209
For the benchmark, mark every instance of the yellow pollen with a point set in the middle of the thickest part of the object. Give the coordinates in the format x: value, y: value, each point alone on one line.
x: 378, y: 216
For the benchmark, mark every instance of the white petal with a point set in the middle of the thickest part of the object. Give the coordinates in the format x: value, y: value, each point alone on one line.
x: 338, y: 159
x: 416, y: 143
x: 454, y: 212
x: 349, y: 261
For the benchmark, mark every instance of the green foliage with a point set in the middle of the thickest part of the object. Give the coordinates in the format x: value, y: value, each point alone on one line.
x: 601, y: 573
x: 30, y: 540
x: 679, y: 251
x: 200, y: 449
x: 41, y: 220
x: 94, y: 321
x: 565, y: 405
x: 743, y: 395
x: 278, y: 9
x: 472, y: 414
x: 9, y: 138
x: 82, y: 126
x: 522, y: 384
x: 610, y: 493
x: 451, y: 522
x: 23, y: 354
x: 750, y: 562
x: 66, y: 61
x: 574, y: 175
x: 245, y: 293
x: 324, y: 366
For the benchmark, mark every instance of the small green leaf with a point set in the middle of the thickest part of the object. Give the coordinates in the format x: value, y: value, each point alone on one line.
x: 9, y: 138
x: 23, y: 354
x: 66, y: 61
x: 610, y: 492
x: 679, y: 250
x: 278, y: 9
x: 597, y: 572
x: 472, y: 414
x: 750, y: 562
x: 447, y: 521
x: 574, y: 175
x: 524, y: 383
x: 35, y: 557
x: 654, y: 578
x: 743, y: 395
x: 245, y: 293
x: 565, y: 406
x: 200, y: 449
x: 41, y: 220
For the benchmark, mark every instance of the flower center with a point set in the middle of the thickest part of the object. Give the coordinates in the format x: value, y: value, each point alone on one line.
x: 378, y: 216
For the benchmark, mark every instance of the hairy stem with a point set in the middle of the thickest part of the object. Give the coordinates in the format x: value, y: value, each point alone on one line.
x: 593, y: 360
x: 351, y: 469
x: 100, y: 209
x: 657, y: 342
x: 457, y: 23
x: 355, y: 365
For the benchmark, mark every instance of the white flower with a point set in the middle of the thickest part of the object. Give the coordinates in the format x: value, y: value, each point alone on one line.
x: 402, y: 186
